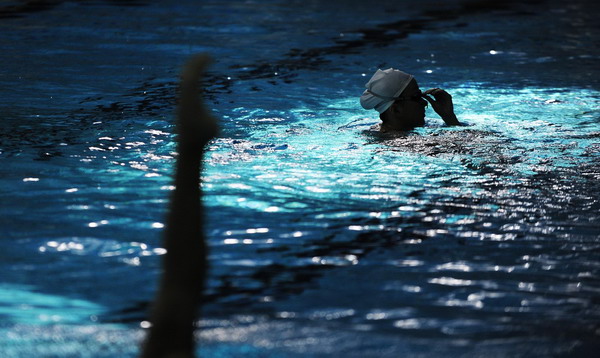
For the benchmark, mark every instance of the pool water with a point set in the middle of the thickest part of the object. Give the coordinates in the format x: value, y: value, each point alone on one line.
x: 327, y: 238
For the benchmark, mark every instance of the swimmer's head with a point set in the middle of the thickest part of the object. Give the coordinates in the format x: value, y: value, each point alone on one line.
x: 384, y: 88
x: 397, y: 98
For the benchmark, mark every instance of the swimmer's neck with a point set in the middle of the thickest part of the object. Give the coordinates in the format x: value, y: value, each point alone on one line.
x: 391, y: 122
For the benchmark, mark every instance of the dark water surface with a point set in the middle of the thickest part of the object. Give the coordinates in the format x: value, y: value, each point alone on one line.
x: 326, y: 238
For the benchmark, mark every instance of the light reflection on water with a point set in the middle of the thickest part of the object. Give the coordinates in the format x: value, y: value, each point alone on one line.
x: 465, y: 226
x: 481, y: 233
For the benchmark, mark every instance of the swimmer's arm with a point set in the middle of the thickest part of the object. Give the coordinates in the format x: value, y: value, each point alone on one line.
x: 451, y: 120
x: 442, y: 105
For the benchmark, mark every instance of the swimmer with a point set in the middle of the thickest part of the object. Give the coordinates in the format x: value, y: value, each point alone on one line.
x: 400, y: 102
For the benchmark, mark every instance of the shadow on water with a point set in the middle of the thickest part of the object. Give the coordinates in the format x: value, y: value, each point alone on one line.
x: 20, y: 8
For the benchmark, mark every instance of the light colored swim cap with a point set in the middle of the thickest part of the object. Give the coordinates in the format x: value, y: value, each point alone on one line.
x: 383, y: 89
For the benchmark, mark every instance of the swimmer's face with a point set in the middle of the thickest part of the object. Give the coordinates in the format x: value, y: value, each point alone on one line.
x: 409, y: 109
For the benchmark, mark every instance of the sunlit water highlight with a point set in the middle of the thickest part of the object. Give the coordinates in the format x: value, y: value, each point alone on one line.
x: 326, y: 237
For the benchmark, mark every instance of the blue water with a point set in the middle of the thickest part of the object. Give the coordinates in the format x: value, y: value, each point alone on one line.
x: 327, y: 239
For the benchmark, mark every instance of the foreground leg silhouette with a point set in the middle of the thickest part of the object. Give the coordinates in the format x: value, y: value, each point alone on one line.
x: 184, y: 265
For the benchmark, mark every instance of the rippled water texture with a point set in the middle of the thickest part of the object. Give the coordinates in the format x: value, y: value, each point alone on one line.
x: 327, y: 239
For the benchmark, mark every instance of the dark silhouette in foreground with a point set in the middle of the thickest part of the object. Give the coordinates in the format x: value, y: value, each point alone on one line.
x: 184, y: 265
